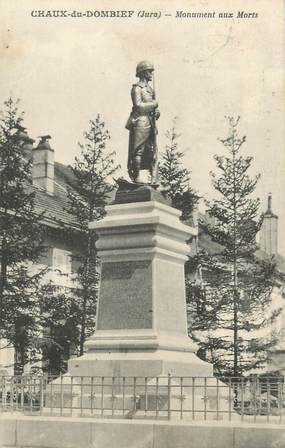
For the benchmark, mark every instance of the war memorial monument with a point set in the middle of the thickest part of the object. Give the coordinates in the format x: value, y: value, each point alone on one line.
x: 141, y: 328
x: 139, y: 383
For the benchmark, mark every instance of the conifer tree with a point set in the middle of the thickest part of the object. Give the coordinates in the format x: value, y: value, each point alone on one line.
x: 60, y: 319
x: 174, y: 178
x: 90, y: 192
x: 20, y: 237
x: 232, y: 303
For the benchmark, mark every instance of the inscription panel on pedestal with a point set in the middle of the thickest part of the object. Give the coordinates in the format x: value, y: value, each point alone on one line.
x: 125, y: 296
x: 170, y: 297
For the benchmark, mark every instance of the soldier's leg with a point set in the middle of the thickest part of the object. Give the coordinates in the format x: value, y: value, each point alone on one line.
x: 136, y: 168
x: 137, y: 164
x: 148, y: 158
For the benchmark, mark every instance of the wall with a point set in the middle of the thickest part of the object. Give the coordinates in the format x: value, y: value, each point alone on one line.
x: 52, y: 432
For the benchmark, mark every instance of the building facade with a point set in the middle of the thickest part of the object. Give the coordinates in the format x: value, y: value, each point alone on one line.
x: 50, y: 181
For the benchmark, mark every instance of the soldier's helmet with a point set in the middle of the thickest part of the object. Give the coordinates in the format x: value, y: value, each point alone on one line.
x: 142, y: 66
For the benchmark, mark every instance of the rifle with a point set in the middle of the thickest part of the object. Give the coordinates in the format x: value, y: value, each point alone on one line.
x: 155, y: 150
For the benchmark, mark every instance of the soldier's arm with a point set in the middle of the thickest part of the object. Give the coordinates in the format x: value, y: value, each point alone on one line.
x: 139, y: 105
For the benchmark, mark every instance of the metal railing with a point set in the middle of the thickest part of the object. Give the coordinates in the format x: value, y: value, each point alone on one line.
x: 253, y: 399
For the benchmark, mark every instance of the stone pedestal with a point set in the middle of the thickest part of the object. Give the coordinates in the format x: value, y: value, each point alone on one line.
x: 141, y: 326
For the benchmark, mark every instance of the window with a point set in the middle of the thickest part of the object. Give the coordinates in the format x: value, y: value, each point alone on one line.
x: 62, y: 266
x: 62, y: 260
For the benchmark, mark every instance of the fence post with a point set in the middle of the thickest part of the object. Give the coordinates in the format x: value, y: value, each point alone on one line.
x: 124, y: 391
x: 145, y: 396
x: 181, y: 398
x: 193, y: 398
x: 3, y: 391
x: 135, y: 395
x: 169, y: 397
x: 205, y: 398
x: 156, y: 397
x: 12, y: 386
x: 41, y: 394
x: 102, y: 396
x: 280, y: 397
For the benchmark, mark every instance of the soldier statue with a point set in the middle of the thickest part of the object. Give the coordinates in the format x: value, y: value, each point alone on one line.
x: 142, y: 125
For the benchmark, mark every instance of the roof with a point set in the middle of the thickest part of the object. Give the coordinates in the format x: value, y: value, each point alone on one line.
x: 55, y: 206
x: 63, y: 174
x: 278, y: 259
x: 205, y: 242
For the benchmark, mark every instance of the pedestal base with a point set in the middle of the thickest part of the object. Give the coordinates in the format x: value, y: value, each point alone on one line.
x: 141, y: 331
x: 137, y: 363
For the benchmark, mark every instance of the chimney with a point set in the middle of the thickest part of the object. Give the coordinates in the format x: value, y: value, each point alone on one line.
x: 28, y: 147
x: 43, y: 165
x: 26, y: 142
x: 269, y: 230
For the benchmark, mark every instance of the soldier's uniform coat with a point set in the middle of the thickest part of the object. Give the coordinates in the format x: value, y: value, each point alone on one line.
x: 141, y: 126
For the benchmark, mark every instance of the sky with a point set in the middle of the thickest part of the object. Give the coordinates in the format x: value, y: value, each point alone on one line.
x: 66, y: 70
